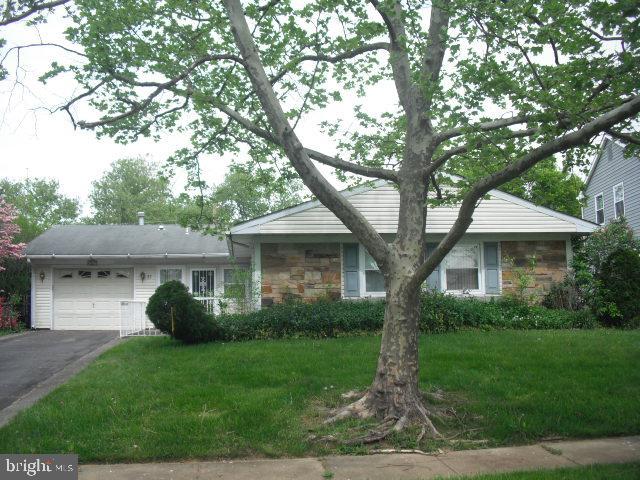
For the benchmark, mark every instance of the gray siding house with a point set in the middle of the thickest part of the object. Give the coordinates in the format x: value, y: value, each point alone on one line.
x: 613, y: 187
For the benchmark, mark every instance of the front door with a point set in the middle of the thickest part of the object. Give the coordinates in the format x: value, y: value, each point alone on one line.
x: 203, y: 287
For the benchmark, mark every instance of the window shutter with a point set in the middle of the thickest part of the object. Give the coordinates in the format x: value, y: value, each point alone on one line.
x: 351, y: 264
x: 491, y: 268
x: 433, y: 280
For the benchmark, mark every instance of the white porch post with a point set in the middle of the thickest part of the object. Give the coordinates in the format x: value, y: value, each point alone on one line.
x: 257, y: 273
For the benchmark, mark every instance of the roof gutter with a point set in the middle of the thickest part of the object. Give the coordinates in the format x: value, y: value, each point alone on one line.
x: 134, y: 256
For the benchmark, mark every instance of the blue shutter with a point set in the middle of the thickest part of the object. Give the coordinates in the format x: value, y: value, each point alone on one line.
x: 433, y: 280
x: 351, y: 262
x: 491, y: 268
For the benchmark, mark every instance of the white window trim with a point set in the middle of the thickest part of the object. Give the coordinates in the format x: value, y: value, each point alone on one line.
x: 221, y: 290
x: 621, y: 184
x: 480, y: 291
x: 363, y: 278
x: 170, y: 267
x: 595, y: 209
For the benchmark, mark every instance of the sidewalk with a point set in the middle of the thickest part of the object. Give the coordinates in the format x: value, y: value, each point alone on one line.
x: 385, y: 466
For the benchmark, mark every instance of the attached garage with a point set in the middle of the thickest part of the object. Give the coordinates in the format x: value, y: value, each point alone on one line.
x: 82, y: 274
x: 89, y: 299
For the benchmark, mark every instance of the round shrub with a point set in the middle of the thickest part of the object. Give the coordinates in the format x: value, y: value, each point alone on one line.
x: 174, y: 311
x: 620, y: 277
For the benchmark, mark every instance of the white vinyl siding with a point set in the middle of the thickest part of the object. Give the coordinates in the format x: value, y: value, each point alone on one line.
x: 380, y: 206
x: 143, y: 288
x: 43, y: 297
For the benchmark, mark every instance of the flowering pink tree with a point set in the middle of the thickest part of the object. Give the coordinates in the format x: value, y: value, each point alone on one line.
x: 8, y: 231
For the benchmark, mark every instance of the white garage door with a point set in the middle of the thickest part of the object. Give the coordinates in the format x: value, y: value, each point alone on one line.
x: 89, y: 299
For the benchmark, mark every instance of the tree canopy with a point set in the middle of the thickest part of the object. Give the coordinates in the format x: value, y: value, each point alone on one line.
x: 132, y: 185
x: 39, y: 205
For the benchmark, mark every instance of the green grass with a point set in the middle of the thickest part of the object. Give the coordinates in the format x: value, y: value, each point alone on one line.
x: 153, y: 399
x: 626, y: 471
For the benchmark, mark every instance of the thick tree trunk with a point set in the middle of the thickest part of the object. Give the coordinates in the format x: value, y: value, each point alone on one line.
x: 395, y: 385
x: 394, y: 397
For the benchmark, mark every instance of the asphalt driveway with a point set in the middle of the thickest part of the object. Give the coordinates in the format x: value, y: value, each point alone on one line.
x: 27, y: 360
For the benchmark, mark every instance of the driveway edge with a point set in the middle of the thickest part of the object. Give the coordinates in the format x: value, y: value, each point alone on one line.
x: 48, y: 385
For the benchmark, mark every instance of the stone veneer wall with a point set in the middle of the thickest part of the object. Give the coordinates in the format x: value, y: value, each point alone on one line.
x: 551, y: 264
x: 300, y: 270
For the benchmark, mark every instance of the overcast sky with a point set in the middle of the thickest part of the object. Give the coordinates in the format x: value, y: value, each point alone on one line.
x: 38, y: 143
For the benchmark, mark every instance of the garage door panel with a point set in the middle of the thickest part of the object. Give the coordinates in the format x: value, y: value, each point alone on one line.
x: 89, y: 299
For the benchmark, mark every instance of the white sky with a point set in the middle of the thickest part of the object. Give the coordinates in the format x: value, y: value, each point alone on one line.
x: 37, y: 143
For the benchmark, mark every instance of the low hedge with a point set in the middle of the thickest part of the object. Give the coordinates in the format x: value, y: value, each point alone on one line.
x: 439, y: 313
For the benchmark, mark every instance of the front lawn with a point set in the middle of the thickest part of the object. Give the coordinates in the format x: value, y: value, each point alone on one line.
x: 154, y: 399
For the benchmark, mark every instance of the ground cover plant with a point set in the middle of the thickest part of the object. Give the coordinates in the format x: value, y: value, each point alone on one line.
x: 157, y: 399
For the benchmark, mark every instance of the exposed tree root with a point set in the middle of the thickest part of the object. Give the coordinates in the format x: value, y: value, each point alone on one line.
x: 395, y: 416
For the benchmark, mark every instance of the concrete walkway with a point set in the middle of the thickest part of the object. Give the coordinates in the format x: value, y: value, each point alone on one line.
x: 385, y: 466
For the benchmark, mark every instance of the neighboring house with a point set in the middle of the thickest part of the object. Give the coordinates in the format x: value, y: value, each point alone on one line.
x: 613, y: 187
x: 82, y: 273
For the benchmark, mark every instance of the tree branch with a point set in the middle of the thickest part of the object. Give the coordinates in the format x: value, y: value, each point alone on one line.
x: 625, y: 137
x: 138, y: 107
x: 292, y: 146
x: 483, y: 186
x: 346, y: 55
x: 483, y: 127
x: 9, y: 18
x: 435, y: 50
x: 399, y: 58
x: 437, y: 162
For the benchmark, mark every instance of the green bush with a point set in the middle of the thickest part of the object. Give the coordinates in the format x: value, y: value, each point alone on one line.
x: 565, y: 295
x: 439, y: 313
x: 589, y: 262
x: 620, y: 291
x: 175, y: 312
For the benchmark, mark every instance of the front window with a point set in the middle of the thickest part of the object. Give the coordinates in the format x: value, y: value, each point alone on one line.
x: 462, y: 267
x: 169, y: 274
x: 618, y: 200
x: 235, y: 282
x: 599, y: 209
x: 203, y: 283
x: 374, y: 280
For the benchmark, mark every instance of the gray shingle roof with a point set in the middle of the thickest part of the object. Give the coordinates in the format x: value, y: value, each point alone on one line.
x: 123, y: 240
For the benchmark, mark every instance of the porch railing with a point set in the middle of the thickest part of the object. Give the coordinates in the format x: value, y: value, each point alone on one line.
x: 135, y: 323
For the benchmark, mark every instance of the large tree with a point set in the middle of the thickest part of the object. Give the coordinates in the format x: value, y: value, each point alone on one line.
x: 495, y: 85
x: 39, y: 204
x: 132, y: 185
